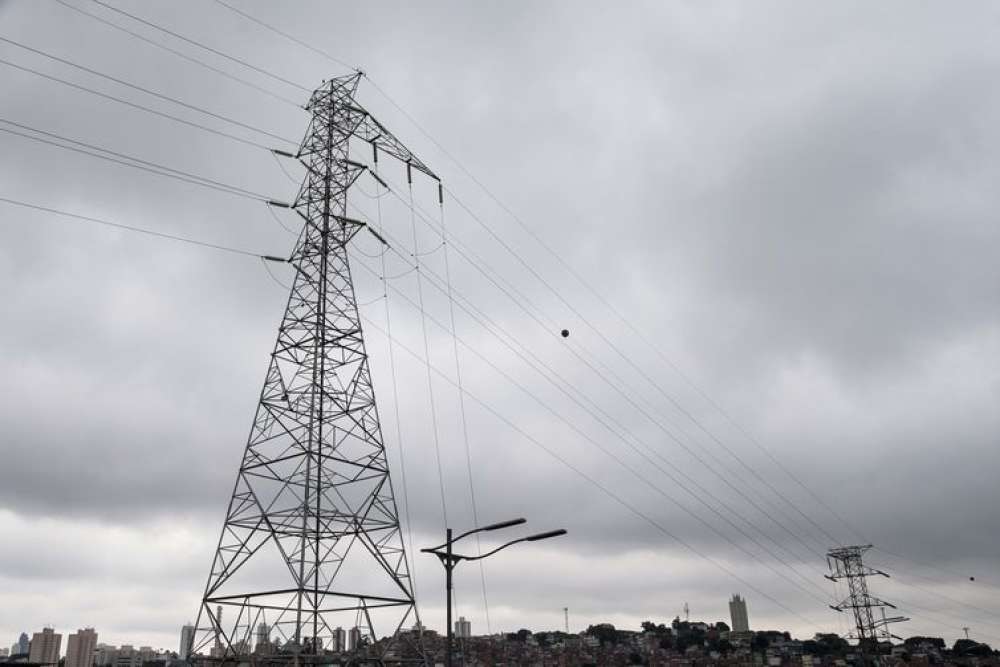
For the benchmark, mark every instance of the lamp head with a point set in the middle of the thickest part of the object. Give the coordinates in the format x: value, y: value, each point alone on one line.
x: 545, y: 535
x: 505, y: 524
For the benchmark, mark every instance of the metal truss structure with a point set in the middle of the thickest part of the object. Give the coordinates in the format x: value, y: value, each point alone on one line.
x: 310, y: 567
x: 846, y: 564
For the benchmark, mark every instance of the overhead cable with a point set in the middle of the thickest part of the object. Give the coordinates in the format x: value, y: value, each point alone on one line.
x: 140, y: 230
x: 202, y: 46
x: 147, y: 91
x: 181, y: 54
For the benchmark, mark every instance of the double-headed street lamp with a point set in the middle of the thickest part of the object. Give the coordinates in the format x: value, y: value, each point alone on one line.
x: 450, y: 559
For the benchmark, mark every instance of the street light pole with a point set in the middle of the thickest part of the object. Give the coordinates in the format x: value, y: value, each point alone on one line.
x: 450, y: 559
x: 449, y: 565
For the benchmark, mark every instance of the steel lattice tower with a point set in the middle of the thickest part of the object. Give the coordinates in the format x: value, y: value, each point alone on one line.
x: 310, y: 564
x: 846, y: 564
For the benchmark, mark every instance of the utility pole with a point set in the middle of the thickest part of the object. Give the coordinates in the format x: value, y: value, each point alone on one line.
x: 566, y: 615
x: 311, y: 542
x: 966, y: 629
x: 846, y: 563
x: 687, y: 612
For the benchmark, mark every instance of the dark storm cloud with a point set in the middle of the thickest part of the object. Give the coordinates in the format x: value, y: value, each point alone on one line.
x: 795, y: 202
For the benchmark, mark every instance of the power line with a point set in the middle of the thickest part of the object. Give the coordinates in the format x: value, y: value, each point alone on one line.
x: 162, y: 114
x: 481, y: 265
x: 286, y: 35
x: 134, y: 162
x: 147, y: 91
x: 948, y: 598
x: 461, y: 406
x: 591, y: 408
x: 932, y: 566
x: 655, y: 488
x: 430, y: 380
x: 181, y: 54
x: 580, y: 279
x: 140, y: 230
x: 561, y: 385
x: 595, y: 483
x: 396, y: 410
x: 637, y: 368
x: 203, y: 46
x: 593, y: 291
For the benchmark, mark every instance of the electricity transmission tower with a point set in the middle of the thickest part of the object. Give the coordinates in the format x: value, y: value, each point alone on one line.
x: 846, y: 564
x: 310, y: 567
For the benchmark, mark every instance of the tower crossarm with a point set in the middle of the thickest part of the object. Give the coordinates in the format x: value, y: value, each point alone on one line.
x: 369, y: 129
x: 882, y: 622
x: 867, y: 601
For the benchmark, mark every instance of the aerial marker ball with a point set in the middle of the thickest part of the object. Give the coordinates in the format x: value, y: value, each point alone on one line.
x: 565, y: 333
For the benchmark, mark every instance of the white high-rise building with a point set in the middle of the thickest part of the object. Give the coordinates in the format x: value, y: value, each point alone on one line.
x: 263, y: 638
x: 354, y: 639
x: 80, y: 648
x: 44, y: 649
x: 738, y: 614
x: 339, y: 640
x: 187, y: 638
x: 463, y: 628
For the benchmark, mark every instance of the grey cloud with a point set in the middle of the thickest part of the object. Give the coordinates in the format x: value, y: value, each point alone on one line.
x: 795, y: 202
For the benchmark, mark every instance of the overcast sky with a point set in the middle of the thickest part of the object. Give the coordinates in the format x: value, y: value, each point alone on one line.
x: 794, y: 203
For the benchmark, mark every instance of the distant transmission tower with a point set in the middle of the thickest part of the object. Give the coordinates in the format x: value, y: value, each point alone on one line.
x: 310, y: 567
x: 846, y: 564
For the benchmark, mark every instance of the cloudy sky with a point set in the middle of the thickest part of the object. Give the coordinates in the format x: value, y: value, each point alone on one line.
x: 790, y: 208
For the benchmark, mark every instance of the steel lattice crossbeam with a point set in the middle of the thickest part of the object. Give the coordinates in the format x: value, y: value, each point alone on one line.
x: 311, y: 543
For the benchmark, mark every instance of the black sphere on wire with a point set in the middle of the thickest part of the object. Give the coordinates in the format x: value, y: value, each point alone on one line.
x: 565, y: 333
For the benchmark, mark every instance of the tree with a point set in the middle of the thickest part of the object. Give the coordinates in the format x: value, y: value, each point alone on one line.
x: 519, y: 636
x: 970, y: 648
x: 913, y: 642
x: 605, y: 632
x: 659, y: 630
x: 831, y: 644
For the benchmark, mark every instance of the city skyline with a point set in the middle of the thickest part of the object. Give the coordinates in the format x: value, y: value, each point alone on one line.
x: 661, y: 644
